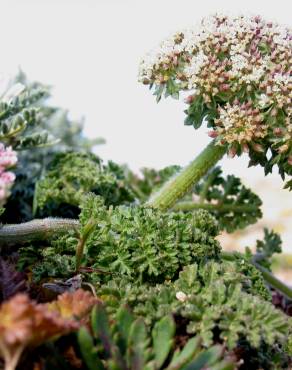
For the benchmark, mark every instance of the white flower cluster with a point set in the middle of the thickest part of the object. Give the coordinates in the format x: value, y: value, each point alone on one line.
x: 230, y: 59
x: 241, y: 123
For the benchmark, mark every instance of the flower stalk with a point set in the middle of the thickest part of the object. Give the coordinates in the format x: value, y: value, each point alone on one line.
x: 179, y: 185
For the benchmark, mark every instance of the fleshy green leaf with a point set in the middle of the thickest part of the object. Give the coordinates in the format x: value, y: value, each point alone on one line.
x: 88, y: 350
x: 163, y: 333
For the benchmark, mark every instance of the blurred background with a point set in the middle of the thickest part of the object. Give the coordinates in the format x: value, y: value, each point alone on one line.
x: 89, y: 51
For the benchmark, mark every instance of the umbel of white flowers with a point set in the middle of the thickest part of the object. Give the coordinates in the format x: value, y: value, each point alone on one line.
x: 238, y: 73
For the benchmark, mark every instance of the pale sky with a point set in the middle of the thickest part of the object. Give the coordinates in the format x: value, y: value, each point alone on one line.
x: 89, y: 50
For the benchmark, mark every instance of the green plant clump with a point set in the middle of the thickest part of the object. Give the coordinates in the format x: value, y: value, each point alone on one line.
x: 127, y: 344
x: 81, y: 173
x: 211, y: 300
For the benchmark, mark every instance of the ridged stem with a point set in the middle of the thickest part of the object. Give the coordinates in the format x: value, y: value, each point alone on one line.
x: 179, y: 185
x: 190, y: 206
x: 35, y: 230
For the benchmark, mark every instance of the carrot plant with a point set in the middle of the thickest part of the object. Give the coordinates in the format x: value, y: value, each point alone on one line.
x: 145, y: 248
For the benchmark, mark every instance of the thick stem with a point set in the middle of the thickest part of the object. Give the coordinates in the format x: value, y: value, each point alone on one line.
x: 190, y: 206
x: 179, y: 185
x: 35, y: 230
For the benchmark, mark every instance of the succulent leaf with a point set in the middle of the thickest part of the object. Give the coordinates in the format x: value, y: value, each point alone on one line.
x: 162, y: 333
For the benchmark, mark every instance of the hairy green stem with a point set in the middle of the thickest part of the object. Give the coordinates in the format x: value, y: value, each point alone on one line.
x: 179, y: 185
x: 267, y: 275
x: 35, y: 230
x: 190, y: 206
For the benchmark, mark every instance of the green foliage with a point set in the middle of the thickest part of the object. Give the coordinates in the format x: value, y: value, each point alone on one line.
x: 46, y: 263
x: 266, y: 248
x: 146, y: 243
x: 136, y: 241
x: 232, y: 204
x: 33, y: 163
x: 214, y: 299
x: 28, y: 256
x: 53, y: 265
x: 126, y: 343
x: 288, y: 185
x: 55, y: 261
x: 71, y: 175
x: 255, y: 283
x: 20, y: 117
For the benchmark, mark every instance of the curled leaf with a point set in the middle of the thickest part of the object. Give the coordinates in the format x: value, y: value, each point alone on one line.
x: 24, y: 323
x: 70, y: 305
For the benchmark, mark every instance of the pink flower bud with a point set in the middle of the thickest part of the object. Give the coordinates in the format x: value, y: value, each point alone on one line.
x: 189, y: 99
x: 258, y: 148
x: 277, y: 131
x: 232, y: 152
x: 224, y: 87
x: 257, y: 18
x: 245, y: 148
x: 213, y: 134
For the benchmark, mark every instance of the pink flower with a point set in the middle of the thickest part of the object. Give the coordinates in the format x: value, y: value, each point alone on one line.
x: 8, y: 158
x: 8, y: 177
